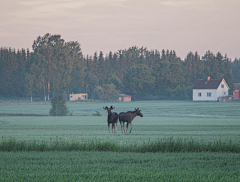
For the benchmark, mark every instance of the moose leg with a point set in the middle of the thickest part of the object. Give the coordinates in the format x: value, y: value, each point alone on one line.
x: 113, y: 127
x: 109, y: 127
x: 127, y: 127
x: 131, y: 127
x: 123, y: 127
x: 116, y: 128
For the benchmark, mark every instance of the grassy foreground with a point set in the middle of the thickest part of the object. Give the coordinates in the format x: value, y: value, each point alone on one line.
x: 160, y: 145
x: 174, y: 141
x: 114, y: 166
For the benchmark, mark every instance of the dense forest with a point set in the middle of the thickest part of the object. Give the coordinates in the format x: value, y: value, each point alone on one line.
x: 56, y: 66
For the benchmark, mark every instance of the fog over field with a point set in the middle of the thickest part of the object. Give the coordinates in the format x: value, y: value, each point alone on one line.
x: 208, y: 121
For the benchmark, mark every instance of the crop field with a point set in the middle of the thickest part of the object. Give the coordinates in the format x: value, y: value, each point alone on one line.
x: 198, y: 122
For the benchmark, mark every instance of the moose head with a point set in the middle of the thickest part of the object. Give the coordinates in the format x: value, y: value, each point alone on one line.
x: 109, y: 109
x: 138, y: 112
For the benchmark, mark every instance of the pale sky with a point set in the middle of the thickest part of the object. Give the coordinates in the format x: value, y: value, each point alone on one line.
x: 111, y: 25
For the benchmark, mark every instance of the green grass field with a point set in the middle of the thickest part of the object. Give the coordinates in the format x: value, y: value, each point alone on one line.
x: 111, y: 166
x: 206, y: 122
x: 161, y: 119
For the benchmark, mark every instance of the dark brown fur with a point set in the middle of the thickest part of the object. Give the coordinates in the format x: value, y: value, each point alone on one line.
x: 127, y: 117
x: 112, y: 118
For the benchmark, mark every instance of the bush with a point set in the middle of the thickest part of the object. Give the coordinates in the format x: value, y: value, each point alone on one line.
x: 97, y: 113
x: 59, y: 107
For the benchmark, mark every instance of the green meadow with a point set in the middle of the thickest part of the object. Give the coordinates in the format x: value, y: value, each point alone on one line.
x: 208, y: 121
x: 173, y: 141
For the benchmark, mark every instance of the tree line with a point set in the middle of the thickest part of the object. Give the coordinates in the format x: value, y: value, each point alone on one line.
x: 55, y: 66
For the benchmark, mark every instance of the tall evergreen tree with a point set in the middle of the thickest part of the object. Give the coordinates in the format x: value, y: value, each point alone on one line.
x: 77, y: 75
x: 101, y: 69
x: 190, y: 68
x: 91, y: 82
x: 59, y: 107
x: 57, y: 60
x: 236, y: 70
x: 199, y: 67
x: 139, y: 81
x: 228, y: 73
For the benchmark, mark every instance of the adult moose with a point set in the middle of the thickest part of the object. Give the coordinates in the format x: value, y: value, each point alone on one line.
x: 128, y: 117
x: 112, y: 118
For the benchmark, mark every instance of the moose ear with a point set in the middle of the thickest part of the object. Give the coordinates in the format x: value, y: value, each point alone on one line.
x: 112, y: 107
x: 105, y: 107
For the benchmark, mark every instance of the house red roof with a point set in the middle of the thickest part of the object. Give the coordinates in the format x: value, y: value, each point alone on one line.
x: 204, y: 84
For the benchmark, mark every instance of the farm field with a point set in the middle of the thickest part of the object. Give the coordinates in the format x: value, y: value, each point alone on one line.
x: 161, y: 119
x: 111, y: 166
x: 199, y: 121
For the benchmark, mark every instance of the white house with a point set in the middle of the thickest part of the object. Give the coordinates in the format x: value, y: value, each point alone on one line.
x: 210, y: 89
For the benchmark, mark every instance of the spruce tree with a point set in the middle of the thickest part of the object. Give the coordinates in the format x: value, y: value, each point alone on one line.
x: 59, y: 107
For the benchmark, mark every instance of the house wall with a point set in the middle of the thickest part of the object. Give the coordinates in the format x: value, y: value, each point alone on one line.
x: 125, y: 98
x: 204, y: 96
x: 215, y: 93
x: 222, y: 91
x: 236, y: 94
x: 74, y: 97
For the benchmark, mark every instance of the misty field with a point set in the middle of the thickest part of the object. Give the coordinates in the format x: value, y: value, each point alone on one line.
x: 25, y: 126
x: 209, y: 121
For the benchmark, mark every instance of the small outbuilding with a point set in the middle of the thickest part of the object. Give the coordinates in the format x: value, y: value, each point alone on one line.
x: 80, y: 96
x: 236, y: 90
x: 210, y: 89
x: 124, y: 98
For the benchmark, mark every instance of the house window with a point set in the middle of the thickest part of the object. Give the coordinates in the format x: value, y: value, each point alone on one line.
x: 209, y: 94
x: 224, y: 93
x: 199, y: 94
x: 222, y: 86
